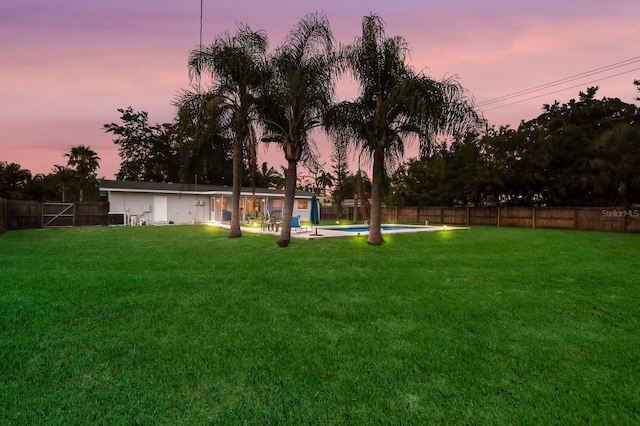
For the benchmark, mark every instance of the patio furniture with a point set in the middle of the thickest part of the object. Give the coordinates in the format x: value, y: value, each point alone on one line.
x: 295, y: 224
x: 270, y: 222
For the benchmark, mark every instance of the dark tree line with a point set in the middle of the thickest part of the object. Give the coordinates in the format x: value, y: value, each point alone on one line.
x: 585, y: 152
x: 77, y: 181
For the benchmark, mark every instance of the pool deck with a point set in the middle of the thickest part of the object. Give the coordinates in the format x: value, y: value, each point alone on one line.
x: 319, y: 232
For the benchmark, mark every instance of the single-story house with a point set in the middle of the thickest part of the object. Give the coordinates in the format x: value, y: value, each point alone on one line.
x: 159, y: 203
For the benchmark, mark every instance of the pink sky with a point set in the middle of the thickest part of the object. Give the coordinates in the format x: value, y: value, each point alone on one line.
x: 68, y: 65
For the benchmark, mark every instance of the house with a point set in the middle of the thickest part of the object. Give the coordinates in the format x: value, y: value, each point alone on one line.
x: 159, y: 203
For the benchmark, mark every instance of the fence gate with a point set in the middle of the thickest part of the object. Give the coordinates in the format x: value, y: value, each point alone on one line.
x: 56, y: 215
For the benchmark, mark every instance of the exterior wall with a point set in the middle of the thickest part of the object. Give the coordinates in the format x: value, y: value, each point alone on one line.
x: 302, y: 208
x: 181, y: 208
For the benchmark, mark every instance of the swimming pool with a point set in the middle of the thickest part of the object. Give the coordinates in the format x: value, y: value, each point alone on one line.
x: 358, y: 229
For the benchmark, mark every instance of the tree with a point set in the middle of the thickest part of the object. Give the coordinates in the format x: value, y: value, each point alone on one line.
x: 357, y: 187
x: 395, y: 104
x: 206, y: 150
x: 149, y: 153
x: 573, y: 148
x: 614, y: 176
x: 298, y: 91
x: 85, y: 163
x: 41, y: 188
x: 268, y: 177
x: 339, y: 157
x: 236, y: 64
x: 13, y: 180
x: 323, y: 180
x: 63, y: 178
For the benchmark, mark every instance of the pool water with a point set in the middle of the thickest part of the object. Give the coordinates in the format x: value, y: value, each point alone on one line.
x: 355, y: 229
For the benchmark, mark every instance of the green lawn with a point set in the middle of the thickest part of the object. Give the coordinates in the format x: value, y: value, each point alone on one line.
x: 181, y: 325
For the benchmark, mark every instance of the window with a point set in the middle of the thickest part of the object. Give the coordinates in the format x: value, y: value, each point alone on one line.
x: 303, y: 204
x: 277, y: 203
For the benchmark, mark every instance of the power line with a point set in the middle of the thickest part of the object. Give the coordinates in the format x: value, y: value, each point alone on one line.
x: 563, y: 81
x: 560, y: 90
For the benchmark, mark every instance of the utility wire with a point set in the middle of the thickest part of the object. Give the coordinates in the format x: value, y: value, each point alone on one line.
x: 563, y: 89
x: 562, y: 81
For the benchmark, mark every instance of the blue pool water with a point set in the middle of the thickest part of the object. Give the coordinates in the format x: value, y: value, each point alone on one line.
x: 355, y: 229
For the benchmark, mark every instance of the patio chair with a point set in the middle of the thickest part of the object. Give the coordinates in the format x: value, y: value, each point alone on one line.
x: 295, y: 224
x: 270, y: 222
x: 265, y: 223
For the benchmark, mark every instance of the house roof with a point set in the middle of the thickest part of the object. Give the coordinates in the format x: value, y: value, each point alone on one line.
x: 181, y: 188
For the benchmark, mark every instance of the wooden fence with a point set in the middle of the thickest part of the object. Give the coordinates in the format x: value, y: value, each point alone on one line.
x: 21, y: 214
x: 606, y: 219
x: 4, y: 219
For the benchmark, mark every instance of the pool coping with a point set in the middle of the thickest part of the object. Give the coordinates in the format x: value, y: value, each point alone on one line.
x: 324, y: 232
x: 320, y: 232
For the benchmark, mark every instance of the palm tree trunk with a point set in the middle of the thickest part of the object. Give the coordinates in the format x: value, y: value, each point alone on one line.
x: 375, y: 236
x: 289, y: 198
x: 234, y: 230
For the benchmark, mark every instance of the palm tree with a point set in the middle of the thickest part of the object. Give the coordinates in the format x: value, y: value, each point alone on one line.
x: 86, y: 162
x: 299, y: 90
x: 395, y: 105
x: 269, y: 177
x: 63, y: 178
x: 236, y: 66
x: 324, y: 180
x: 204, y: 138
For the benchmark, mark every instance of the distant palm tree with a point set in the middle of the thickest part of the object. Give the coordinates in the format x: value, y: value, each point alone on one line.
x: 63, y: 178
x: 324, y: 180
x: 85, y: 162
x: 395, y: 104
x: 236, y: 64
x: 298, y: 91
x: 270, y: 177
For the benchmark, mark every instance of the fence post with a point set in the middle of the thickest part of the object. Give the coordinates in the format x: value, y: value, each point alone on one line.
x: 39, y: 217
x: 4, y: 212
x: 533, y: 217
x: 468, y: 215
x: 498, y: 218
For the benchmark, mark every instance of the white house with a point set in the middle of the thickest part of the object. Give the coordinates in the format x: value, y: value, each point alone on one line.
x: 159, y: 203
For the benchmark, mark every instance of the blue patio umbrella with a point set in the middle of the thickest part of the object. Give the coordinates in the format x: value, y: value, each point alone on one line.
x: 315, y: 212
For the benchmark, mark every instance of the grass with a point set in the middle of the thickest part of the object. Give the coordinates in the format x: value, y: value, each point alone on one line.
x: 181, y: 325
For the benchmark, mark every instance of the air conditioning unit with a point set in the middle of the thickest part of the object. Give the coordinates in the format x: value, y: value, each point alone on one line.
x: 118, y: 218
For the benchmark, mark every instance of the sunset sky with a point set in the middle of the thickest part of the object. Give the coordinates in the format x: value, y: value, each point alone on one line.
x: 68, y: 65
